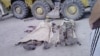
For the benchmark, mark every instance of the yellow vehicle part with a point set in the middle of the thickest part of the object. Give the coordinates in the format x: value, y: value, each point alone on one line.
x: 29, y: 2
x: 18, y: 10
x: 72, y: 9
x: 39, y: 11
x: 85, y: 2
x: 6, y: 3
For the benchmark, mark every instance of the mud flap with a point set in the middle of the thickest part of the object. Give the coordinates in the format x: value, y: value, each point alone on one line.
x: 55, y: 13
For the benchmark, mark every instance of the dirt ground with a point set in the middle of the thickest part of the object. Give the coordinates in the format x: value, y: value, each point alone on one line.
x: 12, y: 30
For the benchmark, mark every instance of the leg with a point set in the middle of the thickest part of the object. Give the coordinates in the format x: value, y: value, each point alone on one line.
x: 47, y: 45
x: 31, y: 45
x: 95, y: 42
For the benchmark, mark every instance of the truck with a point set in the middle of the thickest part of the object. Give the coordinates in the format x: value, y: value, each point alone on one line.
x: 71, y: 9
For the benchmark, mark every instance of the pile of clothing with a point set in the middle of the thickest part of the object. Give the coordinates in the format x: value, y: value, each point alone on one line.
x: 50, y: 34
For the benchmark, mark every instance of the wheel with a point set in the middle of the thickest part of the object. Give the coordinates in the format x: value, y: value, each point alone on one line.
x: 40, y: 9
x: 72, y: 9
x: 19, y: 9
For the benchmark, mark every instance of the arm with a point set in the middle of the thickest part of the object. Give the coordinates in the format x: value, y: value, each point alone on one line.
x: 41, y: 25
x: 95, y: 14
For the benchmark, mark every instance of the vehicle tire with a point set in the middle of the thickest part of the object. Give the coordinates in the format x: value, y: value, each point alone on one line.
x: 19, y: 9
x: 72, y: 9
x: 40, y: 9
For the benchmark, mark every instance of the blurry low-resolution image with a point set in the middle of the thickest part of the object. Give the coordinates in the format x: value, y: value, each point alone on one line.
x: 49, y: 27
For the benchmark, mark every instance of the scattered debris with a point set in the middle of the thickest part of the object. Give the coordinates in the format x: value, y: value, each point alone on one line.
x: 50, y: 34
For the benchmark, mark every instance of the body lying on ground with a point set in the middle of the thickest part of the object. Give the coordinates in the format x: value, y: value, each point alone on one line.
x: 49, y: 34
